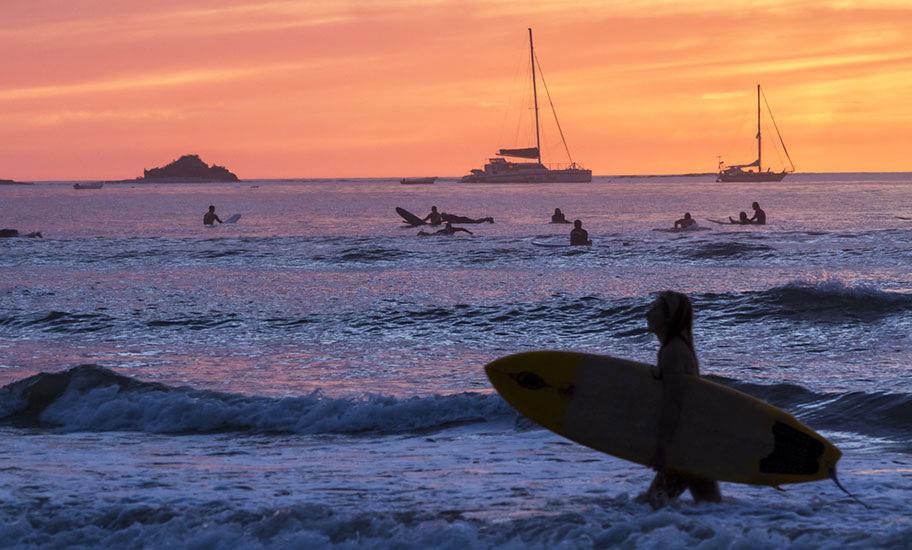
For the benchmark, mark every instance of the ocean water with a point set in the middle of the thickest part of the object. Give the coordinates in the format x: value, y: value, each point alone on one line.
x: 312, y: 376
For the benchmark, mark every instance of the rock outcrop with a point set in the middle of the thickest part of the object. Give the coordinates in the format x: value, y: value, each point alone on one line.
x: 188, y: 168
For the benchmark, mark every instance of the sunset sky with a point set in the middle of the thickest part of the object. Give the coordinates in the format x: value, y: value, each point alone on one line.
x: 100, y: 89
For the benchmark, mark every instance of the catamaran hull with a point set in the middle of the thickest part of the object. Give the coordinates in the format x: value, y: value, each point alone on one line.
x: 755, y: 176
x: 550, y: 176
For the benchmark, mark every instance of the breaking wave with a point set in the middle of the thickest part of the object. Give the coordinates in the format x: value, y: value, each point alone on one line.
x: 92, y: 398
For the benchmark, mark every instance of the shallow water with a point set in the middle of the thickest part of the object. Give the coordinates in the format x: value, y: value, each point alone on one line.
x: 312, y: 375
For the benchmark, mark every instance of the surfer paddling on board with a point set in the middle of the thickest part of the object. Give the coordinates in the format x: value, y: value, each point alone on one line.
x: 210, y: 216
x: 448, y: 229
x: 759, y: 215
x: 684, y: 222
x: 433, y: 217
x: 671, y: 320
x: 579, y: 236
x: 453, y: 218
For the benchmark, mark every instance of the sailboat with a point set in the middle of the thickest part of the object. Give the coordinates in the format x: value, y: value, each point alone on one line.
x: 746, y: 172
x: 501, y: 170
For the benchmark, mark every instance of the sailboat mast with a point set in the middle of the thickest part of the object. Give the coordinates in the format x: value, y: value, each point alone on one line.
x: 534, y: 96
x: 759, y: 139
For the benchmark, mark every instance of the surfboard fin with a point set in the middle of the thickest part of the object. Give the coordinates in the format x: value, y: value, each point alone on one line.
x: 832, y: 472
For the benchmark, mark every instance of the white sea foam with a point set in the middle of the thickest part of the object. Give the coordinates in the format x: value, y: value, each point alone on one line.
x: 462, y: 487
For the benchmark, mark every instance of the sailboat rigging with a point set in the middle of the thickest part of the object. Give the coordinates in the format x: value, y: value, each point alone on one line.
x: 500, y: 170
x: 745, y: 172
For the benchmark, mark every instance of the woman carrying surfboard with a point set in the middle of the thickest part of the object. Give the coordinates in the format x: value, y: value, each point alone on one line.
x: 671, y: 320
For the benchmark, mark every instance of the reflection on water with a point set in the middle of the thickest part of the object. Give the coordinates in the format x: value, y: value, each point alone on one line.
x: 320, y: 286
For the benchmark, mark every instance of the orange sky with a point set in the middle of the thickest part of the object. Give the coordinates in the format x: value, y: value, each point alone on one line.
x: 100, y: 89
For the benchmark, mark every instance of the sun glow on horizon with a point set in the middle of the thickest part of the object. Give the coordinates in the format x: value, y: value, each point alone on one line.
x: 307, y: 89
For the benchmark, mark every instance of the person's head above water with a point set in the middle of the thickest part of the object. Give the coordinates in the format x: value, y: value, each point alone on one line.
x: 557, y: 211
x: 742, y: 216
x: 755, y: 205
x: 433, y: 209
x: 686, y: 215
x: 212, y: 208
x: 670, y: 316
x: 578, y: 224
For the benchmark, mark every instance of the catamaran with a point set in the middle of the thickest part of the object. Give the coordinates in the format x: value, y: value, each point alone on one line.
x: 746, y: 172
x: 500, y: 170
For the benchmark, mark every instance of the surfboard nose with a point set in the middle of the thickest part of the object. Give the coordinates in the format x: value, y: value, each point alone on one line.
x: 538, y: 384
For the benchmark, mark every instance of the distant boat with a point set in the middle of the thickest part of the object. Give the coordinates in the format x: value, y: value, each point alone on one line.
x: 417, y: 181
x: 93, y: 185
x: 746, y: 172
x: 501, y: 170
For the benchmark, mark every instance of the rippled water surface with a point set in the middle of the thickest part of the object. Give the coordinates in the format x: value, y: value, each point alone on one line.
x: 320, y: 364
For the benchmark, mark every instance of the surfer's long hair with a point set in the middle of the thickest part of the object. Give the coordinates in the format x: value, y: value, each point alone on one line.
x: 680, y: 316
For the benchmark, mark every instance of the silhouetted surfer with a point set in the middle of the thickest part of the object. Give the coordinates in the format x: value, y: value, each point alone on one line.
x: 671, y: 319
x: 11, y: 233
x: 684, y: 222
x: 452, y: 218
x: 210, y: 216
x: 742, y: 218
x: 578, y: 235
x: 558, y: 217
x: 448, y: 229
x: 759, y: 215
x: 434, y: 217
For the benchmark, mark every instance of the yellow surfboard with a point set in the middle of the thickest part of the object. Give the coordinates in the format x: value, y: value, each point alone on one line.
x: 612, y: 405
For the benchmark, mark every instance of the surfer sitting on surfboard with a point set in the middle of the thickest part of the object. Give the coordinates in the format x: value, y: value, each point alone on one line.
x: 210, y: 216
x: 671, y: 320
x: 684, y: 222
x: 759, y: 215
x: 448, y: 229
x: 742, y: 218
x: 579, y: 236
x: 434, y: 217
x: 558, y: 217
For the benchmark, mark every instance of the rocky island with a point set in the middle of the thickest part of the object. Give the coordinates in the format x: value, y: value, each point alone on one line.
x: 188, y: 168
x: 11, y: 182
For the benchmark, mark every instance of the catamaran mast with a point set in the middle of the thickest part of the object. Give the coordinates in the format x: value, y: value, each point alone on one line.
x: 759, y: 139
x: 535, y: 96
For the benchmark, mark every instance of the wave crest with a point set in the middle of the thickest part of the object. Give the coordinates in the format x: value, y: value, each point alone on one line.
x: 92, y: 398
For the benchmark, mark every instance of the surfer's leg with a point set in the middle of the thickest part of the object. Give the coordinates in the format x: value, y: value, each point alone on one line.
x: 665, y: 487
x: 704, y: 490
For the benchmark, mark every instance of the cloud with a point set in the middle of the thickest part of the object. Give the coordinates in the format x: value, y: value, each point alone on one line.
x: 63, y: 117
x: 160, y: 80
x: 177, y: 21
